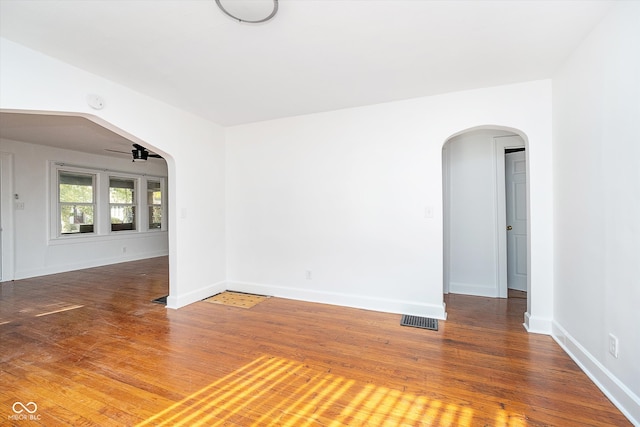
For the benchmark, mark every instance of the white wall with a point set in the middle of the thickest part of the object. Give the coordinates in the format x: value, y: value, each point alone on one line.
x: 34, y: 253
x: 31, y: 81
x: 596, y: 105
x: 343, y: 194
x: 471, y: 244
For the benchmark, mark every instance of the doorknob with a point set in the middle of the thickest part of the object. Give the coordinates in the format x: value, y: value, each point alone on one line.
x: 509, y: 228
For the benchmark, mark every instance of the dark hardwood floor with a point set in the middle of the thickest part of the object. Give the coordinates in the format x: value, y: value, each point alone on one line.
x: 90, y: 348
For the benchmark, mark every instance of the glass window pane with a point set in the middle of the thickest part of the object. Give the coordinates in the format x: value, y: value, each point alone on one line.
x: 76, y: 188
x: 154, y: 194
x: 121, y: 183
x: 123, y: 217
x: 155, y: 217
x: 121, y: 190
x: 121, y: 195
x: 72, y: 178
x: 76, y: 218
x: 154, y: 202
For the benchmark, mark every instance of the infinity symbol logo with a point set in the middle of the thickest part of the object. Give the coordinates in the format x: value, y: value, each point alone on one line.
x: 30, y: 407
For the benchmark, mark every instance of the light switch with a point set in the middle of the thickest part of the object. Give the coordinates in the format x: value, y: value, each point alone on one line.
x: 19, y: 206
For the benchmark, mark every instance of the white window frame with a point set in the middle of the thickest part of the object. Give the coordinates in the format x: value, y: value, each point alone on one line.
x: 102, y: 205
x: 135, y: 203
x: 56, y: 205
x: 163, y: 198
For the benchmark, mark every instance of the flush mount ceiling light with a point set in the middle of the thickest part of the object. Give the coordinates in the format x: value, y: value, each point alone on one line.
x: 249, y: 11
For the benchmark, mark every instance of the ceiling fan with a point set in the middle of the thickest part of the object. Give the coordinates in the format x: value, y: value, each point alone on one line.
x: 139, y: 153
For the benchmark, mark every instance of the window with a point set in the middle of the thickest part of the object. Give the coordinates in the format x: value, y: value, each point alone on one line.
x: 76, y: 202
x: 154, y: 202
x: 122, y: 201
x: 92, y: 204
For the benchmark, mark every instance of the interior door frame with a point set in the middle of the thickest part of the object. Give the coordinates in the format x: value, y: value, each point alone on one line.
x: 6, y: 217
x: 446, y: 197
x: 500, y: 146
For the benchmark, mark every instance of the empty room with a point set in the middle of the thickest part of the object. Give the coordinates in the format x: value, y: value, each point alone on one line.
x: 305, y: 212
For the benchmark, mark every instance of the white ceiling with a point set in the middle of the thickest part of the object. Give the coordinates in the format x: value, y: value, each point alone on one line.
x: 313, y: 56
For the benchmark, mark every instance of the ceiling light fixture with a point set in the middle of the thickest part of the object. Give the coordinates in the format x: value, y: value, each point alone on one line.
x: 248, y: 11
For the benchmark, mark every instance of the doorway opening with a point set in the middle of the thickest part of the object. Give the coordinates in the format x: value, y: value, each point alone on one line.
x: 485, y: 202
x: 100, y: 153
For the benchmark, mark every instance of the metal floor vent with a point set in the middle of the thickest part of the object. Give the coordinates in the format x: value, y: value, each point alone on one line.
x: 419, y: 322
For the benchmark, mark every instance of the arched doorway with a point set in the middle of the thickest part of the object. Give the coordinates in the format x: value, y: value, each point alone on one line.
x: 47, y: 149
x: 479, y: 254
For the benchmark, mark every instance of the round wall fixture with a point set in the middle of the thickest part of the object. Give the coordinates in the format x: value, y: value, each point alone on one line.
x: 249, y: 11
x: 95, y: 101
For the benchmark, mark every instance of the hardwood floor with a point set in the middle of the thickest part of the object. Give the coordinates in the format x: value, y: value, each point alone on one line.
x: 89, y: 348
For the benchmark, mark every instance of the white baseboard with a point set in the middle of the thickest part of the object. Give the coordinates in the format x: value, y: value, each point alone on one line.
x: 624, y: 399
x: 475, y: 289
x: 354, y: 301
x: 537, y: 325
x: 86, y: 264
x: 196, y: 295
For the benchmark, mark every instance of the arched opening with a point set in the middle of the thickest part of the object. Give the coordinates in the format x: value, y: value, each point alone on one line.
x: 486, y: 252
x: 46, y: 150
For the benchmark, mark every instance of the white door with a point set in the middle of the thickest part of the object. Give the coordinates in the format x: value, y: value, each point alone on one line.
x: 516, y: 215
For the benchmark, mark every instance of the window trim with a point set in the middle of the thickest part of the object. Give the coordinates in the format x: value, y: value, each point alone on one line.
x: 163, y: 199
x: 61, y: 204
x: 135, y: 204
x: 102, y: 205
x: 55, y: 211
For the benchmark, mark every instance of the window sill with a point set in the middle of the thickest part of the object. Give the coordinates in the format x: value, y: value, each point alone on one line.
x: 92, y: 237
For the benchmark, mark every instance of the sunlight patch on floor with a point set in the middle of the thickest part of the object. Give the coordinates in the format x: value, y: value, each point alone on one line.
x: 59, y: 309
x: 277, y: 391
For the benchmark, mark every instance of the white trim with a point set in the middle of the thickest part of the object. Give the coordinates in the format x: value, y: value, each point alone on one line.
x: 6, y: 217
x: 501, y: 218
x: 345, y: 300
x: 70, y: 239
x: 500, y: 145
x: 26, y: 274
x: 81, y: 168
x: 144, y: 213
x: 136, y: 203
x: 354, y: 301
x: 537, y: 325
x: 446, y: 227
x: 476, y: 289
x: 187, y: 298
x: 620, y: 395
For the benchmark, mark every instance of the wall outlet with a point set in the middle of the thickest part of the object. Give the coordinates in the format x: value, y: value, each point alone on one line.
x: 124, y: 249
x: 308, y: 274
x: 613, y: 345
